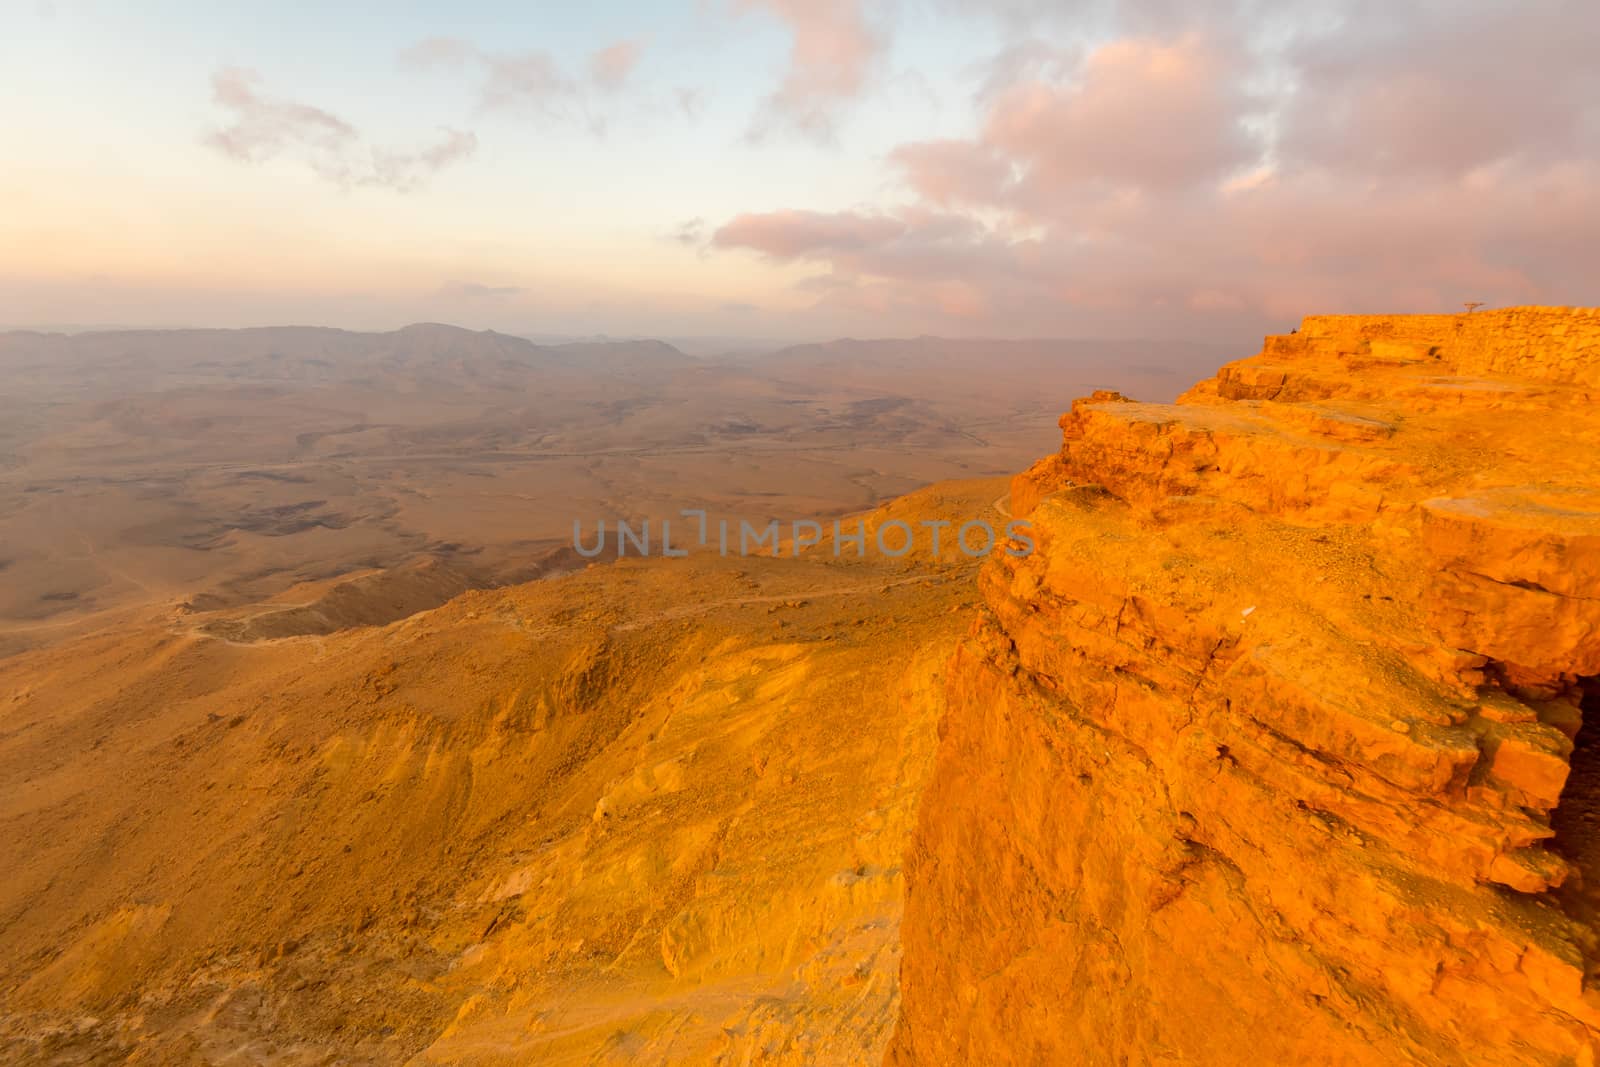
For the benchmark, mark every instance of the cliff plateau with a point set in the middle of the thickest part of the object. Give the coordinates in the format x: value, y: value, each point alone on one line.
x: 1283, y: 746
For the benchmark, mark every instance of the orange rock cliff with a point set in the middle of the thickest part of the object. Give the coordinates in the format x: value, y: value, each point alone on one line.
x: 1274, y: 751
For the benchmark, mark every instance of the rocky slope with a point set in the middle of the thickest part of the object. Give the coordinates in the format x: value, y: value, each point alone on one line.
x: 1275, y: 751
x: 651, y: 812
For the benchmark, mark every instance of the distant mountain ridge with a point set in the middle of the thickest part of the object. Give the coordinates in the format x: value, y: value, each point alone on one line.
x: 235, y: 464
x: 324, y: 354
x: 309, y: 354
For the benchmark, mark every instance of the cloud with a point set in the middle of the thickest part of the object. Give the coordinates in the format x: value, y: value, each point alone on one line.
x: 911, y: 248
x: 439, y: 52
x: 264, y: 128
x: 1438, y: 90
x: 1026, y: 60
x: 1135, y: 116
x: 1215, y: 178
x: 785, y: 235
x: 954, y: 172
x: 690, y: 101
x: 404, y: 171
x: 610, y: 66
x: 834, y: 53
x: 529, y: 81
x: 691, y: 233
x: 477, y: 291
x: 533, y: 83
x: 1141, y: 113
x: 902, y: 263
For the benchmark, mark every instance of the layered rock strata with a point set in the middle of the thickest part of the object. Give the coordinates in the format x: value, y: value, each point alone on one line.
x: 1274, y: 751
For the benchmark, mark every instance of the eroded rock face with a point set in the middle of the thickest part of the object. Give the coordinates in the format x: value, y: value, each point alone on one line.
x: 1260, y: 757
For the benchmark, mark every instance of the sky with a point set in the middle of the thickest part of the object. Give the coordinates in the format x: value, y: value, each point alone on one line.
x: 796, y: 169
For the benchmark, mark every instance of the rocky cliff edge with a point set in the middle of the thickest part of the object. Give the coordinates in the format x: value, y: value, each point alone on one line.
x: 1274, y: 751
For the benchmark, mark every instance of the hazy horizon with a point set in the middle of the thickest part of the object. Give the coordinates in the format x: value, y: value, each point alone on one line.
x: 689, y: 345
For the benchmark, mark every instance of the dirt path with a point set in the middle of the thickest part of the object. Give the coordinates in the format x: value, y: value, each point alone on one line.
x: 688, y: 611
x: 691, y: 610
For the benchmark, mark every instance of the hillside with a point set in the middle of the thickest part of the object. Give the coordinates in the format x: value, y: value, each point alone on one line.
x: 653, y: 811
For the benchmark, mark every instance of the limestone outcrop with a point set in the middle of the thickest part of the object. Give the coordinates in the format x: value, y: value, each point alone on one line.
x: 1274, y: 751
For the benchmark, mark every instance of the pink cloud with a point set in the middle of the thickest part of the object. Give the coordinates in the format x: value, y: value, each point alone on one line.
x: 834, y: 53
x: 1141, y: 114
x: 1136, y: 116
x: 807, y: 234
x: 1215, y: 181
x: 951, y: 172
x: 262, y: 128
x: 1440, y: 90
x: 534, y: 83
x: 610, y: 66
